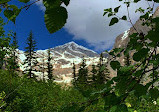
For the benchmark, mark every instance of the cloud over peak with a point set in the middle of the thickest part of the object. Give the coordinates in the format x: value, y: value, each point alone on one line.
x: 86, y: 21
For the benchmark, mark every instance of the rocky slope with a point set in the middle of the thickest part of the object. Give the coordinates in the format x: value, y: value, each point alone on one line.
x: 122, y: 40
x: 63, y: 57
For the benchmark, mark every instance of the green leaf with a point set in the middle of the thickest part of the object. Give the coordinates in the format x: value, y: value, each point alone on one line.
x: 8, y: 14
x: 118, y: 50
x: 140, y: 54
x: 119, y: 108
x: 117, y: 9
x: 152, y: 35
x: 108, y: 10
x: 70, y: 108
x: 138, y: 73
x: 111, y: 100
x: 124, y: 18
x: 154, y: 93
x: 136, y: 1
x: 102, y: 68
x: 51, y: 3
x: 110, y: 14
x: 113, y: 21
x: 12, y: 14
x: 126, y: 69
x: 115, y: 65
x: 134, y: 35
x: 157, y: 1
x: 25, y: 1
x: 55, y: 18
x: 140, y: 90
x: 146, y: 16
x: 81, y: 109
x: 15, y: 9
x: 4, y: 1
x: 105, y: 13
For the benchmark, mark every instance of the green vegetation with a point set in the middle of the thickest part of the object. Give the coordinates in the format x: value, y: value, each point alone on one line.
x: 30, y: 61
x: 49, y: 66
x: 123, y: 93
x: 24, y: 95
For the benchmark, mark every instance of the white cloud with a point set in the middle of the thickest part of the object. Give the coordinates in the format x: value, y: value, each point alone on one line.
x: 86, y: 21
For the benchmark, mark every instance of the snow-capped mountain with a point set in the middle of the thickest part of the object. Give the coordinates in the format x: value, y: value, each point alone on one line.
x: 73, y: 50
x: 63, y: 58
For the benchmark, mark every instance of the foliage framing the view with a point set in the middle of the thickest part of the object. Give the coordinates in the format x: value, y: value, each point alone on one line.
x: 115, y: 93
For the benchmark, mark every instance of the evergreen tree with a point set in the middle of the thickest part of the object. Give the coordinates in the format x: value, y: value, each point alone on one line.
x: 4, y: 42
x: 30, y: 60
x: 82, y: 73
x: 107, y: 73
x: 49, y: 66
x: 12, y: 61
x: 4, y: 46
x: 43, y: 67
x: 103, y: 72
x: 94, y: 73
x: 101, y: 60
x: 74, y: 73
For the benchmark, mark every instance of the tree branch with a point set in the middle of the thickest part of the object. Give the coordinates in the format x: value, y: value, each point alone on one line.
x: 28, y: 6
x: 130, y: 19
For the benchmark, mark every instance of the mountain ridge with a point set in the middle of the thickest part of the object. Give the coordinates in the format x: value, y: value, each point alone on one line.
x: 63, y: 58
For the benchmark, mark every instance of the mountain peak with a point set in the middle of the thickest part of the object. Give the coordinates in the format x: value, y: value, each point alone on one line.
x: 75, y: 50
x: 72, y: 42
x: 77, y: 46
x: 67, y: 44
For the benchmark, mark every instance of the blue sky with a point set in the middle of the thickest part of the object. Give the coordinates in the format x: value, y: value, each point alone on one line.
x: 33, y: 19
x: 85, y: 24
